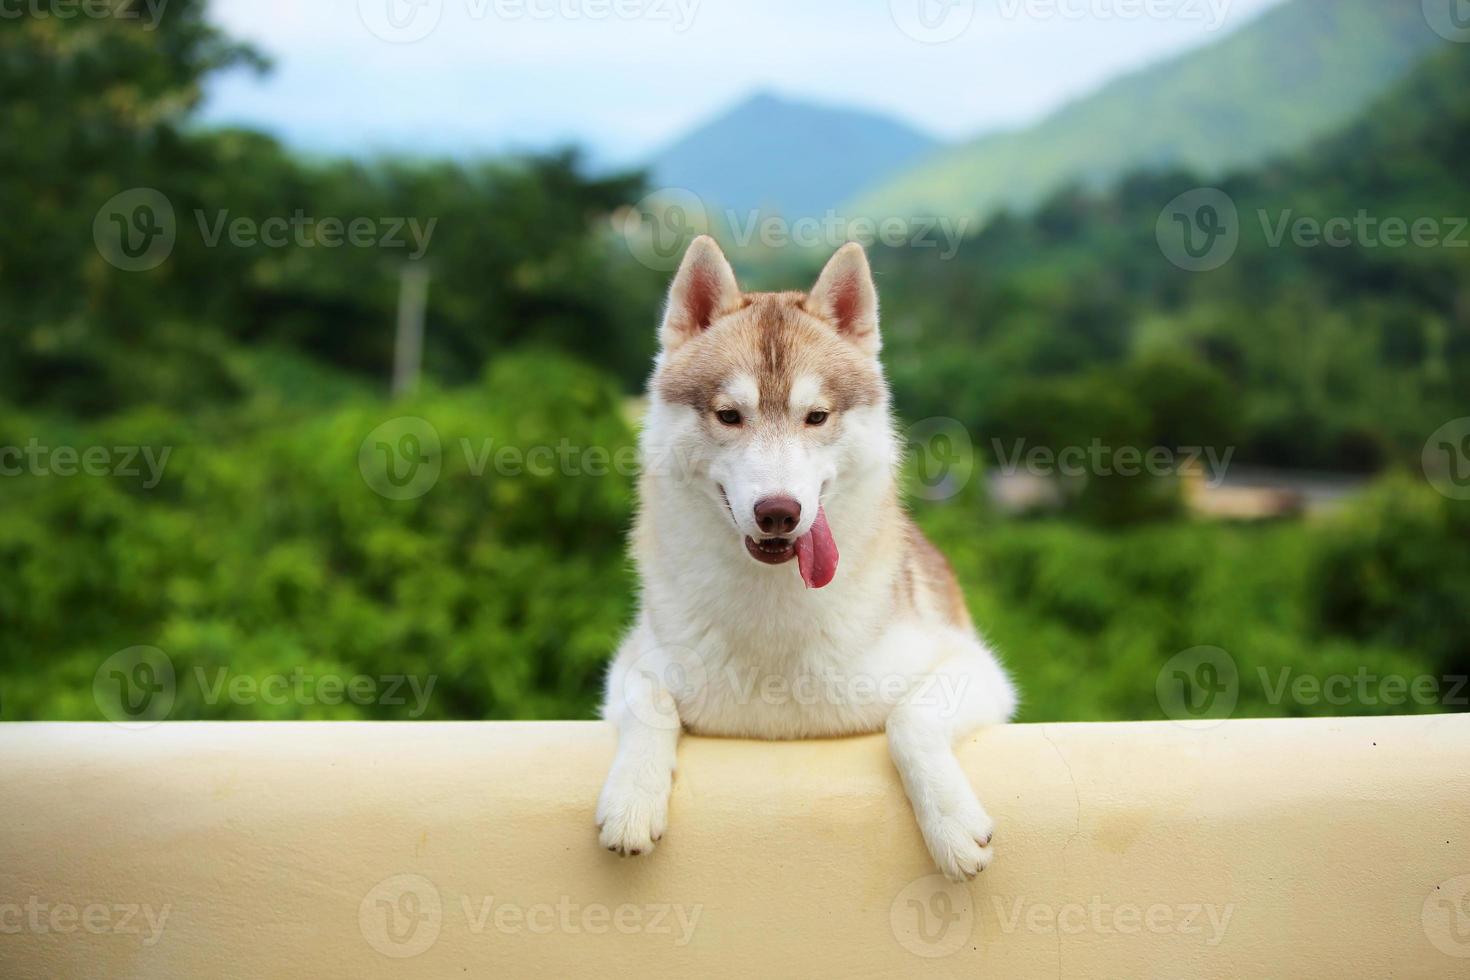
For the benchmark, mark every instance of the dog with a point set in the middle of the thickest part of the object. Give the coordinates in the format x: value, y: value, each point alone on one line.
x: 777, y: 407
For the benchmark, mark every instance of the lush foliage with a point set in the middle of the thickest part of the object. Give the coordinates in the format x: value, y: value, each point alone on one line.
x: 264, y: 550
x: 1072, y: 324
x: 266, y: 543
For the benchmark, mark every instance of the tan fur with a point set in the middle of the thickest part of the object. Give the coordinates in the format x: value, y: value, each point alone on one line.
x: 772, y: 338
x: 937, y: 589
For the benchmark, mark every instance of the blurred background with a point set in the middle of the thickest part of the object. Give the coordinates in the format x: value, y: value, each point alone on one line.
x: 323, y: 327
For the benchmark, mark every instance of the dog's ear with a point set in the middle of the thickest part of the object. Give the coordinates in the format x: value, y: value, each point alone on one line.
x: 704, y: 289
x: 844, y: 296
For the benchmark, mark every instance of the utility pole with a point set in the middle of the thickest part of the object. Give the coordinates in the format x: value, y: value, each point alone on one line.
x: 408, y: 345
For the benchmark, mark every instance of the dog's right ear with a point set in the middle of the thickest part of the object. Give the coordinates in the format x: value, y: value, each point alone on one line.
x: 704, y: 290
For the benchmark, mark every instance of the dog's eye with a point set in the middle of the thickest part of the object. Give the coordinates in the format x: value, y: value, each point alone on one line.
x: 816, y: 418
x: 728, y: 417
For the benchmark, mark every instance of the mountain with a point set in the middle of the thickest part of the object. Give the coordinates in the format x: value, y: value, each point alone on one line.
x: 1294, y: 74
x: 788, y: 157
x: 1331, y: 330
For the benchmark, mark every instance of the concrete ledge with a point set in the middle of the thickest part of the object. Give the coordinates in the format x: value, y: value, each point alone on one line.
x: 1328, y: 848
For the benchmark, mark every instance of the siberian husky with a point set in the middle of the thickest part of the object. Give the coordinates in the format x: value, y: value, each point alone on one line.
x: 776, y: 408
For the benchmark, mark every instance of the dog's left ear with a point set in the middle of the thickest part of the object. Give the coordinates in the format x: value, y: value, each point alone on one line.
x: 844, y: 296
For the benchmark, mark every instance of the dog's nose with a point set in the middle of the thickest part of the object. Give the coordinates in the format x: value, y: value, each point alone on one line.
x: 777, y: 515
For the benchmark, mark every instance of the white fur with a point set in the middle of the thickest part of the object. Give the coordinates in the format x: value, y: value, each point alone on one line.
x: 725, y: 645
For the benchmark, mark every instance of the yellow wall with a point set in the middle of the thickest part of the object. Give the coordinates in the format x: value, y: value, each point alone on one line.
x: 1250, y: 849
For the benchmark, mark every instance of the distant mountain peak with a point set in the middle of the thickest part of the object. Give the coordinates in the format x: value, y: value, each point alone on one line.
x: 779, y: 154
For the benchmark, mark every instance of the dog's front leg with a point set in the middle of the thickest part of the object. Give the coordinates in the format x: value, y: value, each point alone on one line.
x: 963, y: 693
x: 633, y: 811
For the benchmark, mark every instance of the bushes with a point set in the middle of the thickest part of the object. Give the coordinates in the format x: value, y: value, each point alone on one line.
x: 264, y: 551
x: 1086, y: 619
x: 1396, y: 570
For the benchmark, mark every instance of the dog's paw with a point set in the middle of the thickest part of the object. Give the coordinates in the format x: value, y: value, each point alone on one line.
x: 632, y: 816
x: 959, y: 839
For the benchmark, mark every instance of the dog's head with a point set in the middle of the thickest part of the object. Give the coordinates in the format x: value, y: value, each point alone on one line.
x: 776, y: 399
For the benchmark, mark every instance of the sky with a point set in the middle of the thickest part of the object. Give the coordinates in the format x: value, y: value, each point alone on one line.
x: 624, y: 77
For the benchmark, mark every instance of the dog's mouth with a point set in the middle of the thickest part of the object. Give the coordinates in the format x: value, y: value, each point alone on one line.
x: 772, y: 551
x: 815, y: 551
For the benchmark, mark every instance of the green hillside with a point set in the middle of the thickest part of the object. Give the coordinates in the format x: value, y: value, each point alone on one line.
x: 1294, y: 74
x: 1073, y: 323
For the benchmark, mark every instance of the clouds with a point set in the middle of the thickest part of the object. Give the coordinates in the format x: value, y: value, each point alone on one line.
x: 625, y: 76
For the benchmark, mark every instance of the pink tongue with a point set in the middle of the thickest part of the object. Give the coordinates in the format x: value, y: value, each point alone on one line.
x: 816, y: 553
